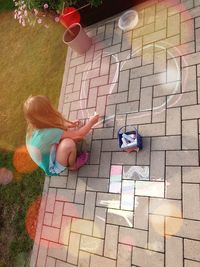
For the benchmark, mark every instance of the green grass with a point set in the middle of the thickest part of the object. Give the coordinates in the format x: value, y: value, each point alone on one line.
x: 6, y: 5
x: 31, y: 62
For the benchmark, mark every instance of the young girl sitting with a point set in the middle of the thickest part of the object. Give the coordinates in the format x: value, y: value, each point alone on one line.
x: 51, y: 138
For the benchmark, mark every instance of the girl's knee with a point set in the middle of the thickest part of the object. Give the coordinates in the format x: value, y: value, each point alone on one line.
x: 68, y: 144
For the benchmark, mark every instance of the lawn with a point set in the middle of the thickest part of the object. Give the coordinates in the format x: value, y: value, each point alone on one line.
x: 31, y: 62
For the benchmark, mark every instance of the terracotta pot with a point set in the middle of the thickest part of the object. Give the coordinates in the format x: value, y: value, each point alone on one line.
x: 77, y: 39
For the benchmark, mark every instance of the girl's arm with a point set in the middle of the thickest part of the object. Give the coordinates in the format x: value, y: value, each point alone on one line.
x: 83, y: 131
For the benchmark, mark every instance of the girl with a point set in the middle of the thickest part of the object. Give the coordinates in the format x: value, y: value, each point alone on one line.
x: 51, y: 138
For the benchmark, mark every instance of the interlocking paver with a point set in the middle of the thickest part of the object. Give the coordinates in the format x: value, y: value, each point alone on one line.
x: 137, y: 209
x: 174, y: 249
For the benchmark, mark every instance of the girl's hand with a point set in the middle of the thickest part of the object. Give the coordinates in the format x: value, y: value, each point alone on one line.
x: 94, y: 119
x: 76, y: 123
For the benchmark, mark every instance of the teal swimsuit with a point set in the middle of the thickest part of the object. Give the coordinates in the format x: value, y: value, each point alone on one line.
x: 42, y: 149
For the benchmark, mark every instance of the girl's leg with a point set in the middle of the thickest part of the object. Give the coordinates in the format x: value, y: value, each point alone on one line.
x: 66, y: 153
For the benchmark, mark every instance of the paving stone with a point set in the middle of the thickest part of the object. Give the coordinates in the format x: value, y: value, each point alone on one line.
x: 146, y: 258
x: 112, y: 49
x: 117, y: 98
x: 191, y: 112
x: 105, y: 66
x: 98, y: 81
x: 166, y: 143
x: 173, y: 182
x: 191, y: 59
x: 149, y: 14
x: 98, y: 184
x: 89, y: 171
x: 141, y: 71
x: 80, y: 104
x: 57, y: 251
x: 165, y: 207
x: 182, y: 100
x: 148, y: 54
x: 97, y: 261
x: 146, y: 99
x: 117, y: 36
x: 183, y: 49
x: 191, y: 195
x: 103, y: 133
x: 126, y: 40
x: 48, y: 218
x: 189, y: 134
x: 141, y: 213
x: 157, y: 166
x: 127, y: 196
x: 98, y: 53
x: 81, y: 226
x: 141, y: 31
x: 134, y: 90
x: 101, y: 104
x: 136, y: 172
x: 180, y: 7
x: 74, y: 210
x: 188, y: 263
x: 50, y: 233
x: 84, y: 259
x: 191, y: 249
x: 161, y: 19
x: 57, y: 215
x: 72, y: 179
x: 160, y: 64
x: 168, y: 43
x: 124, y: 255
x: 120, y: 217
x: 110, y: 145
x: 130, y: 63
x: 108, y: 200
x: 174, y: 250
x: 139, y: 118
x: 187, y: 36
x: 173, y: 121
x: 42, y: 253
x: 191, y: 174
x: 120, y: 121
x: 134, y: 237
x: 156, y: 233
x: 104, y: 168
x: 189, y: 79
x: 60, y: 181
x: 95, y: 152
x: 65, y: 230
x: 80, y: 190
x: 143, y: 158
x: 182, y: 228
x: 91, y: 244
x: 197, y: 22
x: 92, y: 98
x: 151, y: 189
x: 77, y: 82
x: 123, y: 80
x: 107, y: 89
x: 123, y: 158
x: 153, y: 37
x: 173, y: 69
x: 90, y: 74
x: 99, y: 222
x: 154, y: 129
x: 51, y: 262
x: 154, y: 79
x: 65, y: 195
x: 173, y: 27
x: 89, y: 205
x: 114, y: 73
x: 77, y: 61
x: 73, y: 249
x: 71, y: 75
x: 63, y: 264
x: 111, y: 241
x: 109, y: 30
x: 136, y: 47
x: 84, y: 67
x: 166, y: 89
x: 181, y: 158
x: 51, y: 197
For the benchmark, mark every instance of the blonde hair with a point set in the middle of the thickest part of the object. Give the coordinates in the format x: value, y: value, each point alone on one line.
x: 40, y: 114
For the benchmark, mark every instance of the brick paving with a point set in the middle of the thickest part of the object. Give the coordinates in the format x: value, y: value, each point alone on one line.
x: 126, y: 210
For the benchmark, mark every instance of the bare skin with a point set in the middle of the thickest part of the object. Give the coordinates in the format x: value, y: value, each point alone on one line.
x: 66, y: 152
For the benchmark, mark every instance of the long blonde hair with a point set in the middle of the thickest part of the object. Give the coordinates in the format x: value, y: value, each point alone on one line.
x: 40, y: 114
